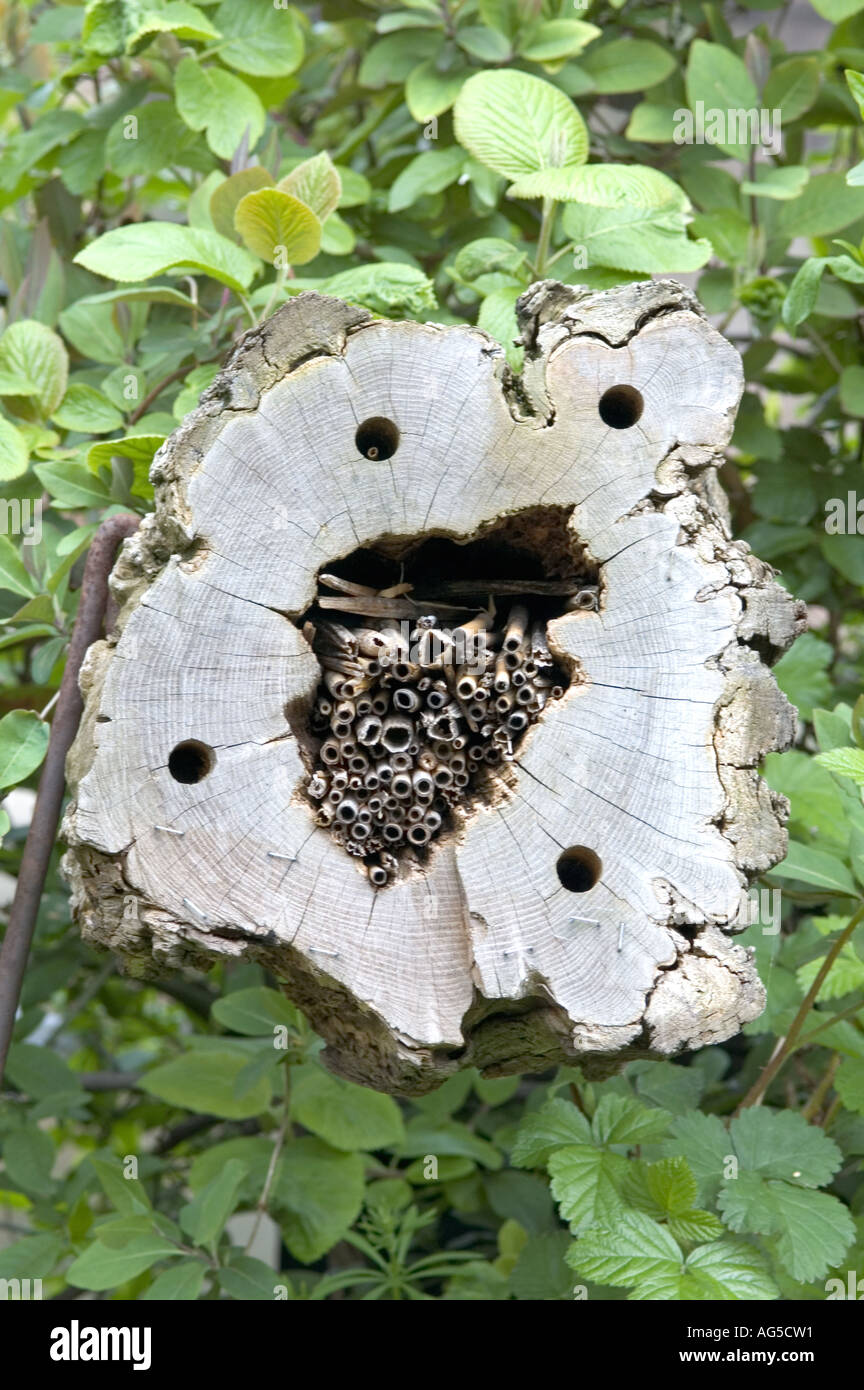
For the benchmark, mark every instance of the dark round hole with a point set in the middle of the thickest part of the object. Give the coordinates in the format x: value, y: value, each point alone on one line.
x: 620, y: 407
x: 377, y: 438
x: 191, y: 761
x: 578, y: 868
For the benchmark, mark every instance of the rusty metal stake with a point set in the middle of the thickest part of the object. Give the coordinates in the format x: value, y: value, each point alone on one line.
x: 42, y: 834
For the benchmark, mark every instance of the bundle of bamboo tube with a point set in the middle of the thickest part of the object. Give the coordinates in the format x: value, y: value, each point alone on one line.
x: 410, y: 713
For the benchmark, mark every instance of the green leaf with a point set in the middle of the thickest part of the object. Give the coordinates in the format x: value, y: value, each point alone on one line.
x: 179, y: 1284
x: 316, y: 183
x: 717, y: 77
x: 587, y: 1184
x: 274, y: 224
x: 145, y: 249
x: 157, y: 139
x: 72, y: 485
x: 792, y: 87
x: 845, y: 554
x: 127, y: 1195
x: 627, y: 65
x: 781, y: 1144
x: 14, y: 452
x: 86, y: 411
x: 204, y: 1083
x: 826, y: 206
x: 779, y: 183
x: 219, y: 103
x: 28, y: 1157
x: 140, y: 449
x: 517, y: 124
x: 102, y: 1268
x: 248, y: 1279
x: 845, y: 762
x: 32, y: 1257
x: 557, y: 1124
x: 632, y: 219
x: 802, y: 673
x: 30, y: 350
x: 224, y: 198
x: 814, y: 1229
x: 38, y: 1072
x: 259, y: 38
x: 623, y: 1120
x: 387, y: 288
x: 13, y: 575
x: 497, y: 317
x: 316, y: 1197
x: 204, y: 1217
x: 447, y: 1138
x: 556, y: 39
x: 639, y: 1254
x: 346, y: 1116
x: 540, y: 1272
x: 429, y: 172
x: 817, y: 867
x: 255, y: 1011
x: 849, y: 1084
x: 429, y: 92
x: 23, y: 745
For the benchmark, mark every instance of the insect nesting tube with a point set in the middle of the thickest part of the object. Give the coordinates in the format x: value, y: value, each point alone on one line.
x: 433, y: 669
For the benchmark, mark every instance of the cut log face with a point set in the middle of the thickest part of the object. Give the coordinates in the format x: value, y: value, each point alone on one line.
x: 351, y: 501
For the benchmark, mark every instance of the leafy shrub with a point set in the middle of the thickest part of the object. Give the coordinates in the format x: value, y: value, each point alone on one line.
x: 172, y: 173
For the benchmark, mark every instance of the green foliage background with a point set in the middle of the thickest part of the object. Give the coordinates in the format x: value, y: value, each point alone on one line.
x: 171, y: 173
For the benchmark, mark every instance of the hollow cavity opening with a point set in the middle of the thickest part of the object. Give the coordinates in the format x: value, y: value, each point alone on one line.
x: 435, y: 663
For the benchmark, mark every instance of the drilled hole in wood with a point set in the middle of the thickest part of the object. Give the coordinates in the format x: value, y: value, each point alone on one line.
x: 435, y: 664
x: 191, y: 761
x: 377, y: 438
x: 620, y: 407
x: 578, y: 868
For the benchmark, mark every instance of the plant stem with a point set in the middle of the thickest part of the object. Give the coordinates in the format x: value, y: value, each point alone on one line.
x: 786, y: 1045
x: 814, y: 1104
x: 540, y: 261
x: 284, y: 1132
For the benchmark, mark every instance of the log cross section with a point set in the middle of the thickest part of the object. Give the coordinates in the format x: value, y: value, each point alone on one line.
x: 345, y: 488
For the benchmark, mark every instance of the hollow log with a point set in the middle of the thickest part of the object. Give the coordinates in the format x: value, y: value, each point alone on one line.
x: 351, y: 500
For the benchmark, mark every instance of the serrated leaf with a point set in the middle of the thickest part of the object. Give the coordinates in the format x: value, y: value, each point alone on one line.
x: 587, y: 1183
x: 517, y: 124
x: 273, y: 224
x: 556, y: 1125
x: 845, y: 762
x: 624, y: 1120
x: 814, y: 1229
x: 781, y: 1144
